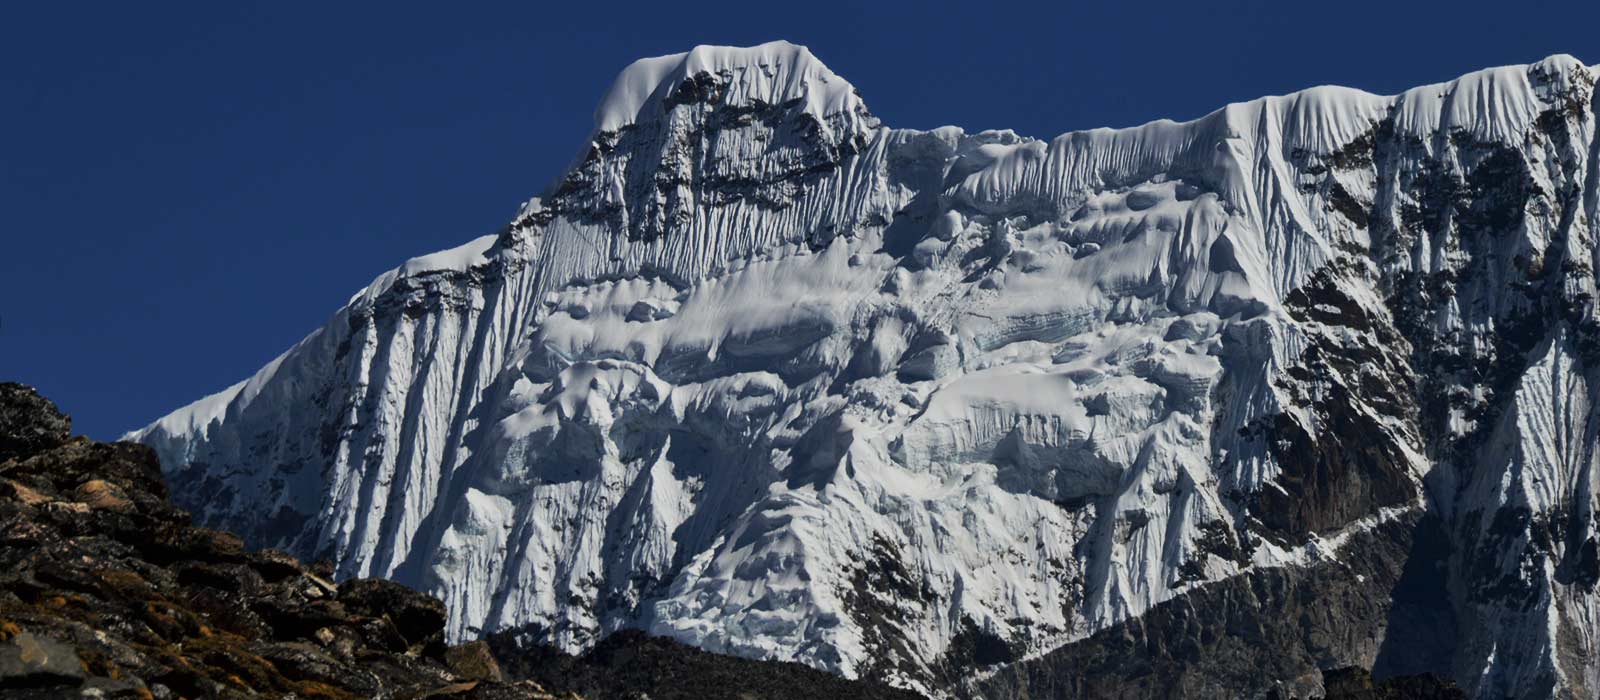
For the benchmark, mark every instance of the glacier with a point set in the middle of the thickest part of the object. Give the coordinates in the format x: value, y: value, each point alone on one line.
x: 764, y: 375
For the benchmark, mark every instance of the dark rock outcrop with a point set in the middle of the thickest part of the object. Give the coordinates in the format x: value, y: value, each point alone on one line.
x: 630, y: 664
x: 1288, y: 632
x: 1357, y: 684
x: 29, y: 423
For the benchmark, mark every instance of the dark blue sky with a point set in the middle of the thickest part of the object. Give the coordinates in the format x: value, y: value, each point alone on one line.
x: 188, y: 189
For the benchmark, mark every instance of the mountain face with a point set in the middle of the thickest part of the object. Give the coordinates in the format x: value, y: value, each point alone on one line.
x: 1195, y: 408
x: 107, y: 592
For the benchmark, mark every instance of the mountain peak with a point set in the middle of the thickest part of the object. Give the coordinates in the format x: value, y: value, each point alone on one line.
x: 773, y: 73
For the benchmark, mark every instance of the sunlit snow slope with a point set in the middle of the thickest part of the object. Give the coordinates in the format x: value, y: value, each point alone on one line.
x: 766, y: 376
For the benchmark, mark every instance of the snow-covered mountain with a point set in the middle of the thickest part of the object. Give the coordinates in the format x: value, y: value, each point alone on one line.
x: 1309, y: 382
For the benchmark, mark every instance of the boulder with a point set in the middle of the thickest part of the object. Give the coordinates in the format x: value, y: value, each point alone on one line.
x: 473, y: 661
x: 28, y: 660
x: 418, y: 617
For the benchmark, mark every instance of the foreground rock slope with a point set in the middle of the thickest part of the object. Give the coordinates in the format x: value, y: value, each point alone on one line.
x: 107, y: 591
x: 769, y: 377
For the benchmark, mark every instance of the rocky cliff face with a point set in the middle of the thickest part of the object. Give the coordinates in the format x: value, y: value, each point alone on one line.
x: 765, y: 376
